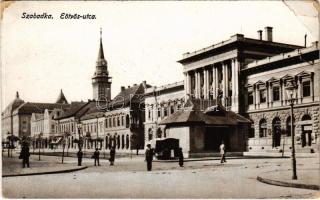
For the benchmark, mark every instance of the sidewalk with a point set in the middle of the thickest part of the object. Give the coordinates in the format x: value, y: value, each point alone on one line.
x: 307, y: 178
x: 13, y: 166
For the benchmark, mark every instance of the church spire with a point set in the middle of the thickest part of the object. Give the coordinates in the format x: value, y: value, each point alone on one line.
x: 62, y: 99
x: 101, y: 54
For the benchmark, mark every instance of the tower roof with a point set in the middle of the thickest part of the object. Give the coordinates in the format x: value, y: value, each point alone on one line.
x: 61, y: 98
x: 101, y: 54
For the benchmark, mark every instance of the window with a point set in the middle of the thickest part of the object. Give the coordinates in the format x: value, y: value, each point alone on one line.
x: 171, y: 109
x: 106, y: 123
x: 149, y: 114
x: 306, y: 88
x: 110, y: 122
x: 150, y: 134
x: 263, y: 128
x: 127, y: 121
x: 263, y: 96
x: 114, y: 121
x: 159, y: 112
x: 250, y: 98
x: 118, y: 120
x: 122, y: 120
x: 276, y: 94
x: 165, y: 112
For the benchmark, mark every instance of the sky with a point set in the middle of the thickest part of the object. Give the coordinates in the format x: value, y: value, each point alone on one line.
x: 142, y: 41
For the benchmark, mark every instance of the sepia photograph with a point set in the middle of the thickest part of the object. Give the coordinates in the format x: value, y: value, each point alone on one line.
x: 160, y: 99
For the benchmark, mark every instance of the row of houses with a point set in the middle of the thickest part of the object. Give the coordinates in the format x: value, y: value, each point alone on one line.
x: 234, y: 91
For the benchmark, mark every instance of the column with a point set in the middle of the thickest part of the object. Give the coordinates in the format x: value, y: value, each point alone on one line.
x: 195, y: 84
x: 199, y: 85
x: 185, y: 84
x: 224, y: 83
x: 299, y: 98
x: 205, y: 86
x: 281, y: 92
x: 208, y: 83
x: 216, y: 81
x: 189, y: 83
x: 213, y: 86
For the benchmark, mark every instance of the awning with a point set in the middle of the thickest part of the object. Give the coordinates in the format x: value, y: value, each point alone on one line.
x: 56, y: 140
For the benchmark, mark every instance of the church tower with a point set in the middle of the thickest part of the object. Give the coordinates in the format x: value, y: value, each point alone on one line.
x: 101, y: 81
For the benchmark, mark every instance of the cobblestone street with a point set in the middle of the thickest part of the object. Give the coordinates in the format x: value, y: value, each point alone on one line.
x: 129, y: 179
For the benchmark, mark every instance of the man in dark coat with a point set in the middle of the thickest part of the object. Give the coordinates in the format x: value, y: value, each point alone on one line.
x: 149, y: 157
x: 180, y: 156
x: 79, y: 155
x: 112, y: 155
x: 24, y: 155
x: 96, y: 156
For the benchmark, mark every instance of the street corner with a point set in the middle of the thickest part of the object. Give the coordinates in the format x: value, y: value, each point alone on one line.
x: 307, y: 178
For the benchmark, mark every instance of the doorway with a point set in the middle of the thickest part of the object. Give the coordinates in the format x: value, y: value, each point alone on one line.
x: 214, y: 136
x: 276, y: 136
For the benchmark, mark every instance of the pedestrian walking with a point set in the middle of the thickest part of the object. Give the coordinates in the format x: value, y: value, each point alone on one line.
x: 222, y: 152
x: 24, y: 155
x: 112, y: 155
x: 79, y: 155
x: 180, y: 156
x: 96, y: 156
x: 149, y: 157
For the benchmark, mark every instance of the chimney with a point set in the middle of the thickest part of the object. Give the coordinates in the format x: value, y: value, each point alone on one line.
x: 268, y: 33
x: 122, y: 88
x: 144, y: 84
x: 260, y: 34
x: 305, y: 40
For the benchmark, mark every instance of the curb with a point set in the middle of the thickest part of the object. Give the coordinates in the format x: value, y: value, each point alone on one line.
x: 218, y: 158
x: 49, y: 172
x: 286, y: 184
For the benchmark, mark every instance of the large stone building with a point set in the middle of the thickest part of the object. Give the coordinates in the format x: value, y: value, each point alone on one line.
x: 16, y: 119
x: 266, y: 100
x: 218, y: 79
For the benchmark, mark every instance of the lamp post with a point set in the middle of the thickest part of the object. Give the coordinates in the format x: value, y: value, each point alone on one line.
x: 290, y: 90
x: 40, y: 138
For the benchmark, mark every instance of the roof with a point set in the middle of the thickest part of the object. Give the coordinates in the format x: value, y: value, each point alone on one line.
x: 284, y: 56
x: 128, y: 96
x: 73, y: 109
x: 234, y: 39
x: 30, y: 107
x: 176, y: 86
x: 214, y: 115
x: 61, y: 98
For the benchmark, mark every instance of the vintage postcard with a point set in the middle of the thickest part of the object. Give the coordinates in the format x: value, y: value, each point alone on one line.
x: 165, y: 99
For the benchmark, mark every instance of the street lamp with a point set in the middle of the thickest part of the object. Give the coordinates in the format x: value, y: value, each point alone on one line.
x: 40, y: 141
x: 290, y: 90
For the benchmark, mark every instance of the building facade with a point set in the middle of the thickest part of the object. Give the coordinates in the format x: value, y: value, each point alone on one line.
x: 267, y: 101
x: 161, y: 102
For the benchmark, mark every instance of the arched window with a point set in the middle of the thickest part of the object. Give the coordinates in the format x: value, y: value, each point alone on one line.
x: 127, y: 121
x: 263, y: 128
x: 288, y: 126
x: 276, y: 132
x: 118, y: 120
x: 127, y: 142
x: 118, y: 141
x: 150, y: 134
x: 159, y: 132
x: 122, y: 141
x: 306, y: 117
x: 122, y: 120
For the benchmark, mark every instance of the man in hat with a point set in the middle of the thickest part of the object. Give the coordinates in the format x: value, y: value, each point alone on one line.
x: 149, y: 157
